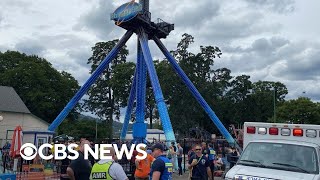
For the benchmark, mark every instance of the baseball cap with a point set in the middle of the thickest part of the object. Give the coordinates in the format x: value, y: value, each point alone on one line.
x: 157, y: 146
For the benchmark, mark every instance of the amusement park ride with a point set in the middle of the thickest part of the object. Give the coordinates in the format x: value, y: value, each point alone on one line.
x: 136, y: 18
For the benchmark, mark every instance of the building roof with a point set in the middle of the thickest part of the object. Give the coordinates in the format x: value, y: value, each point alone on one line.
x: 151, y: 131
x: 155, y: 131
x: 11, y: 102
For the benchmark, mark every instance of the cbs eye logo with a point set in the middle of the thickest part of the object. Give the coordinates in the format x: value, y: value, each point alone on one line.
x: 28, y: 151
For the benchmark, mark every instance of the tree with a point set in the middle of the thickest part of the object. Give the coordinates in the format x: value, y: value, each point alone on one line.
x: 43, y: 89
x: 83, y: 128
x: 266, y: 94
x: 184, y: 110
x: 301, y: 110
x: 107, y: 94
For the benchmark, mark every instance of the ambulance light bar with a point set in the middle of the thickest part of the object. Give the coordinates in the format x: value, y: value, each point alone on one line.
x: 273, y: 131
x: 262, y: 131
x: 311, y: 133
x: 297, y: 131
x: 251, y: 130
x: 285, y: 132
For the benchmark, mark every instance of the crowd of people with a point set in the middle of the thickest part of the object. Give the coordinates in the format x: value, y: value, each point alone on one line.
x: 204, y: 161
x: 156, y: 166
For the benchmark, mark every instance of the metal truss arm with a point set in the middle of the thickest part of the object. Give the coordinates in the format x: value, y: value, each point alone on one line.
x: 63, y: 114
x: 129, y: 108
x: 139, y: 130
x: 195, y: 92
x: 141, y: 86
x: 162, y: 107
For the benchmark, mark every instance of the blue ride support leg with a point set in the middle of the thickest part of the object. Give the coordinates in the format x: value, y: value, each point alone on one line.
x: 195, y: 92
x: 162, y: 107
x: 63, y: 114
x: 139, y: 130
x: 129, y: 108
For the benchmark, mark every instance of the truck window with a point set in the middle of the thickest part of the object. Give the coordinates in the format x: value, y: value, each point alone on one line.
x: 287, y: 157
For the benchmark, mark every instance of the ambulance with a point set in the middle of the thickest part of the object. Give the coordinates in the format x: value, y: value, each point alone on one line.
x: 274, y: 151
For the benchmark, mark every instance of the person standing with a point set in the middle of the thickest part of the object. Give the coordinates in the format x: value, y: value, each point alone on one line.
x: 205, y: 149
x: 80, y: 168
x: 199, y: 166
x: 179, y: 156
x: 143, y: 167
x: 161, y: 168
x: 234, y: 155
x: 106, y: 169
x: 211, y: 158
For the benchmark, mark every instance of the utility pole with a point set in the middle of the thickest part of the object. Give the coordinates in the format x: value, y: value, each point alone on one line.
x: 274, y: 104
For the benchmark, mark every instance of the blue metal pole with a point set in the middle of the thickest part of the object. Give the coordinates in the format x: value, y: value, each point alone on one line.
x: 139, y: 127
x: 195, y: 92
x: 63, y: 114
x: 129, y: 108
x: 162, y: 107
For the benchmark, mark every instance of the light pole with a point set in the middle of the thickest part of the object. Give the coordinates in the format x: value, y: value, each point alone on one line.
x: 274, y: 104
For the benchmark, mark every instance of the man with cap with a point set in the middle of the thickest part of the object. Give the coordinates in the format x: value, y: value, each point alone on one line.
x: 161, y: 168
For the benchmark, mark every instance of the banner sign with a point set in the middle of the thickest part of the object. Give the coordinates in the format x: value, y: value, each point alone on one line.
x: 126, y: 12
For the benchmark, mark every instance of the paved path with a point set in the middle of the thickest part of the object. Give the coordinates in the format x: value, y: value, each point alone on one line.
x: 185, y: 176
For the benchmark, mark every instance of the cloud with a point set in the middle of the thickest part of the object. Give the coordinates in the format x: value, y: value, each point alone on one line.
x: 301, y: 65
x: 80, y: 56
x: 30, y: 47
x: 306, y: 88
x: 194, y: 13
x: 97, y: 20
x: 1, y: 19
x: 278, y: 6
x: 261, y: 54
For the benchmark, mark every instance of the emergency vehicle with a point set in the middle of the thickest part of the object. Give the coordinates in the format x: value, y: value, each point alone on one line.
x: 274, y: 151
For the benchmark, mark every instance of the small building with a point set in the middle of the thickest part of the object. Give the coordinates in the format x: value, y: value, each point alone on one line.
x: 152, y: 134
x: 14, y: 112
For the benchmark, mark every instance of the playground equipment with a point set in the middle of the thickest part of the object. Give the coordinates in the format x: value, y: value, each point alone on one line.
x: 136, y: 18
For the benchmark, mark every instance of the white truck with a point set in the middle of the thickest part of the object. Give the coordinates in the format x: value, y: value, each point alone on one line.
x: 274, y: 151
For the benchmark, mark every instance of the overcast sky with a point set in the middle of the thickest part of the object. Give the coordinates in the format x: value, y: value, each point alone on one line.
x: 269, y: 40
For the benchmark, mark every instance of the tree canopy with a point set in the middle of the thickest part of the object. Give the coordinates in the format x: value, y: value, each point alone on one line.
x: 43, y: 89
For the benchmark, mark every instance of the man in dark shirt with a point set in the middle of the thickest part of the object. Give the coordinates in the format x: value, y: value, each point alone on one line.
x: 161, y: 168
x: 199, y: 165
x: 80, y: 168
x: 205, y: 149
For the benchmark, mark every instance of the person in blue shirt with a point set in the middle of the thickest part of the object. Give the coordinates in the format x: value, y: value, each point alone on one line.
x: 211, y: 157
x: 7, y: 146
x: 161, y: 168
x: 199, y: 165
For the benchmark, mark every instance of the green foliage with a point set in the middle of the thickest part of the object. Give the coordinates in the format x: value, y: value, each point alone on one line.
x: 111, y: 89
x: 83, y: 129
x: 301, y: 110
x: 43, y: 89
